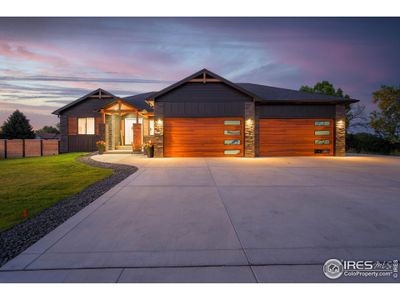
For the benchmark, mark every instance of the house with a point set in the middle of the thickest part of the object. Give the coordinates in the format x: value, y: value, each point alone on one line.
x: 207, y: 115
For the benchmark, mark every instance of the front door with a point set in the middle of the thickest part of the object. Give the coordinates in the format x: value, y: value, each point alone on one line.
x: 129, y: 130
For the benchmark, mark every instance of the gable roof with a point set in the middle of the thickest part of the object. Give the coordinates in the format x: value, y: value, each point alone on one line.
x: 73, y: 103
x: 139, y: 101
x: 274, y: 94
x: 205, y: 73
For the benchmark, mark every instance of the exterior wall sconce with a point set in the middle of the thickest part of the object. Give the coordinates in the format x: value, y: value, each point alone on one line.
x: 249, y: 122
x: 159, y: 122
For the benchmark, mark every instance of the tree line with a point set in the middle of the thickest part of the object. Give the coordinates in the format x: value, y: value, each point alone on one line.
x: 384, y: 121
x: 17, y: 126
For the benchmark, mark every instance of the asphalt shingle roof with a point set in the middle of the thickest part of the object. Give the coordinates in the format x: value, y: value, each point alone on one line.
x: 139, y: 101
x: 269, y: 93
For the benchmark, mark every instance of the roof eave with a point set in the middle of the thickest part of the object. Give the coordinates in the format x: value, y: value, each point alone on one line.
x: 311, y: 101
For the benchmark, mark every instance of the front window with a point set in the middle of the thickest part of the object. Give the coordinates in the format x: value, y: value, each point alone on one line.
x: 86, y: 126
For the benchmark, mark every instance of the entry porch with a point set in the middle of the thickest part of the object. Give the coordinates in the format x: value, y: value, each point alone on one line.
x: 126, y: 127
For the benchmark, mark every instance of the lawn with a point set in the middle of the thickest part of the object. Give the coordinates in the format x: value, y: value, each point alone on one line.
x: 39, y: 182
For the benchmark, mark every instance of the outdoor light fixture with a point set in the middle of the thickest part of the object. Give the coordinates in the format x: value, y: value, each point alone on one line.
x: 159, y: 122
x: 249, y: 121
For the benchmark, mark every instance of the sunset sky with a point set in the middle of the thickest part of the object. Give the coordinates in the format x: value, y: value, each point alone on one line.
x: 48, y: 62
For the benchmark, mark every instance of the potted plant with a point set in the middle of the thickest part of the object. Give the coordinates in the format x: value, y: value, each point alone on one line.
x: 101, y: 146
x: 149, y: 148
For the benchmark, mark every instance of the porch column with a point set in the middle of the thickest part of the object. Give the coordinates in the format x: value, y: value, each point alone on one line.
x: 158, y: 129
x: 340, y: 130
x: 249, y: 129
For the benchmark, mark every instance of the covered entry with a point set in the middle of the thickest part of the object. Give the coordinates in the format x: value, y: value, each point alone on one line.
x: 191, y: 137
x: 295, y: 137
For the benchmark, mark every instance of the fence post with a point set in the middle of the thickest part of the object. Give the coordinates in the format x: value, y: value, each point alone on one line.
x: 23, y: 147
x: 41, y: 147
x: 5, y: 149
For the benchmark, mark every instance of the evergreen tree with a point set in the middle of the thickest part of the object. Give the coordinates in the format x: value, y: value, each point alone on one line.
x: 17, y: 127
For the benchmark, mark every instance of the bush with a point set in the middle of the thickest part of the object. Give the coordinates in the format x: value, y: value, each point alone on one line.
x: 369, y: 143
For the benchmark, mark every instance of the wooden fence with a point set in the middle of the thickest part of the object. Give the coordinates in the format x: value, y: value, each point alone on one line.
x: 28, y: 148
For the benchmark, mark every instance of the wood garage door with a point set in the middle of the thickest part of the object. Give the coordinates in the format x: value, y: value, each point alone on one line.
x: 296, y: 137
x: 203, y: 137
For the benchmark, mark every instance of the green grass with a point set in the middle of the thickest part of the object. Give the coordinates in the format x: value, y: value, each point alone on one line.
x: 39, y: 182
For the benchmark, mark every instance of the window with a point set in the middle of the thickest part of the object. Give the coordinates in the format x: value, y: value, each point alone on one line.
x: 232, y: 122
x: 232, y: 132
x: 322, y: 123
x: 151, y: 127
x: 321, y: 142
x: 86, y: 126
x: 232, y: 142
x: 322, y: 132
x: 231, y: 152
x: 321, y: 151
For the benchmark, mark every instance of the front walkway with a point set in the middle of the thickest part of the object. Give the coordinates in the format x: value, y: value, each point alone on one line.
x: 224, y: 220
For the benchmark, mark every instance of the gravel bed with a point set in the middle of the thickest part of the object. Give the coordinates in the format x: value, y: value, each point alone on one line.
x: 15, y: 240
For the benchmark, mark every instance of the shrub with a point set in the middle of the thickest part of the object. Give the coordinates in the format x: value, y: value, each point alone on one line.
x: 369, y: 143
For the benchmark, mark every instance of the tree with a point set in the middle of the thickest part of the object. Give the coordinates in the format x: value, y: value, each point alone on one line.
x: 355, y: 115
x: 17, y: 127
x: 48, y: 129
x: 386, y: 120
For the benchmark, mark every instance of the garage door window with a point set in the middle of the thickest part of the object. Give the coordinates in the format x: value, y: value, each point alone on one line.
x: 231, y: 152
x: 322, y: 123
x: 232, y: 122
x: 232, y: 142
x: 232, y: 132
x: 321, y: 142
x: 321, y: 151
x: 322, y: 132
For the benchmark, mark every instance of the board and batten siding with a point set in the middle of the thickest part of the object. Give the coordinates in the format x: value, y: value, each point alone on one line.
x: 273, y: 111
x: 193, y: 100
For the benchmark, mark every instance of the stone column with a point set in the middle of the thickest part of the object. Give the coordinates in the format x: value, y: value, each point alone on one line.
x: 249, y: 129
x: 158, y: 129
x: 340, y: 130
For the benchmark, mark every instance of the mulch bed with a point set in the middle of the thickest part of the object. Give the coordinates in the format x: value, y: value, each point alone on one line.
x: 15, y: 240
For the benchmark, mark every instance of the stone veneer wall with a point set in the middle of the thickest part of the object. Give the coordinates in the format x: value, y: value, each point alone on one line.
x: 249, y: 129
x: 340, y: 130
x: 158, y: 129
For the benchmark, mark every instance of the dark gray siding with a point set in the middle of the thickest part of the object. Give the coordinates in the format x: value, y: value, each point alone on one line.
x: 204, y: 93
x: 78, y: 143
x: 82, y: 143
x: 193, y: 100
x: 295, y: 111
x: 87, y: 108
x: 195, y: 109
x: 63, y: 134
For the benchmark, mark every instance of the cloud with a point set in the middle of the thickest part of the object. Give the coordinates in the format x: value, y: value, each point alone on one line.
x: 80, y: 79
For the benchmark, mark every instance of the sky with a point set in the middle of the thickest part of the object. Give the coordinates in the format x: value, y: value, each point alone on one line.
x: 48, y: 62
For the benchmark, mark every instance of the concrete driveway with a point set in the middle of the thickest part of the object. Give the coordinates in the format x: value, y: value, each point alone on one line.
x: 225, y: 220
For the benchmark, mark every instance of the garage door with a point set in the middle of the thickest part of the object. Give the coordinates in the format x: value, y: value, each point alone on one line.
x: 203, y: 137
x: 296, y: 137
